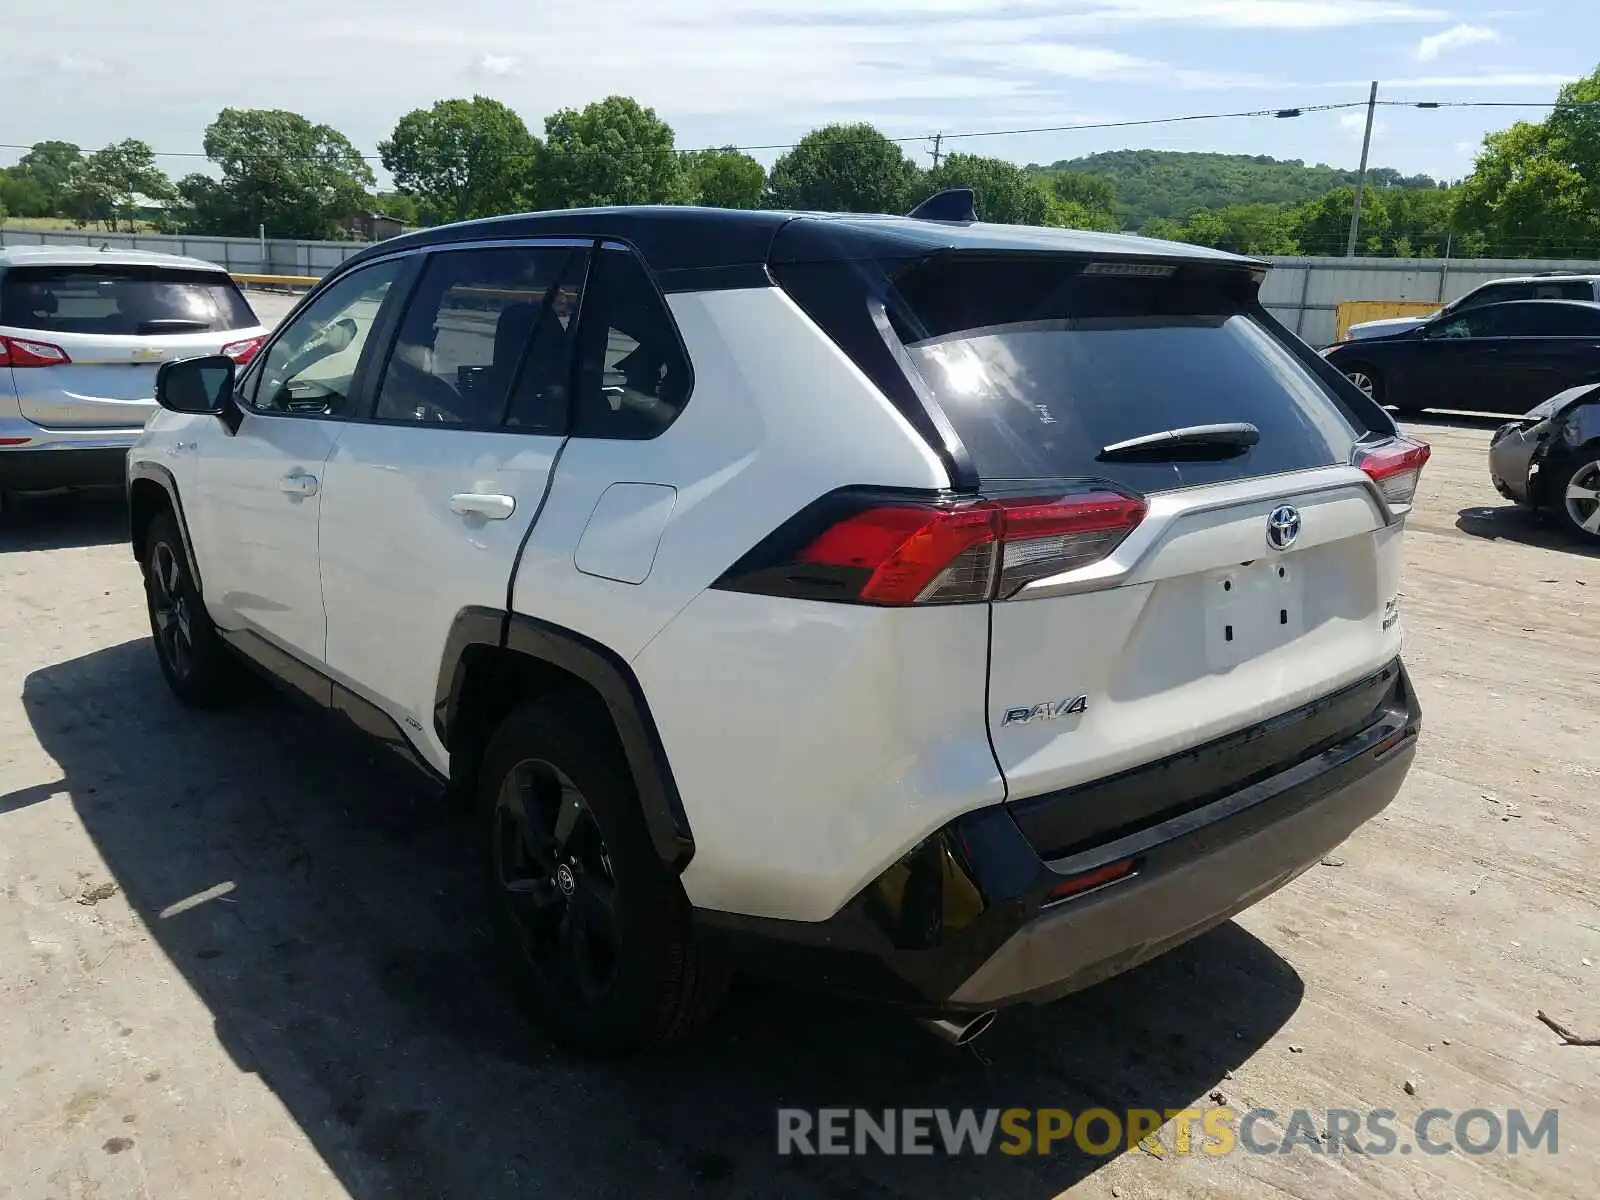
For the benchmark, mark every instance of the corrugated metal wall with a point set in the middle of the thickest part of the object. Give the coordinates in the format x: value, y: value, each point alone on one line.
x: 240, y: 255
x: 1304, y: 293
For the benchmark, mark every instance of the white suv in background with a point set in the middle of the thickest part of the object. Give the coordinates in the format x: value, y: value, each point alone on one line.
x: 946, y: 615
x: 82, y: 332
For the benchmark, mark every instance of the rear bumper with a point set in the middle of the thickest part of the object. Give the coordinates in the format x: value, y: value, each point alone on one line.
x: 967, y: 921
x: 26, y: 468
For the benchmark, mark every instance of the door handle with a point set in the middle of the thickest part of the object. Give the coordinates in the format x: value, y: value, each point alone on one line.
x: 298, y: 483
x: 494, y: 507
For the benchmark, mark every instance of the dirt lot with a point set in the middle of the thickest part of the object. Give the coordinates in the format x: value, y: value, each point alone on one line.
x: 237, y: 961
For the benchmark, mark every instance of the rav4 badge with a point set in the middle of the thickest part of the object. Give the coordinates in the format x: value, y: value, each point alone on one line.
x: 1051, y: 711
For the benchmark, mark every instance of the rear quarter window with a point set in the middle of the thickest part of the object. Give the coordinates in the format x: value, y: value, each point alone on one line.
x: 122, y: 301
x: 1039, y: 365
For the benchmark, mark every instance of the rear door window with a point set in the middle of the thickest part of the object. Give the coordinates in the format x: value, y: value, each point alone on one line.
x: 122, y: 301
x: 1040, y: 363
x: 1496, y: 293
x: 633, y: 375
x: 1570, y: 320
x: 1570, y: 290
x: 468, y: 330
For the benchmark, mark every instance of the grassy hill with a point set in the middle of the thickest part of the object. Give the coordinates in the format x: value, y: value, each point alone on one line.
x: 1176, y: 184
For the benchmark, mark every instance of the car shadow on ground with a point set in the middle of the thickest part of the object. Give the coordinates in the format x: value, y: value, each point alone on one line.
x: 344, y: 962
x: 1514, y: 523
x: 61, y: 521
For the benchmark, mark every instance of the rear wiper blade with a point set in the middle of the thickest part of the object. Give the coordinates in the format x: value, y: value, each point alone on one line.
x: 173, y: 325
x: 1197, y: 443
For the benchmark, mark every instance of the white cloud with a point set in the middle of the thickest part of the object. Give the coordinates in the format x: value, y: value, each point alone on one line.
x: 76, y: 64
x: 1506, y: 79
x: 1354, y: 125
x: 1266, y: 14
x: 1458, y: 37
x: 496, y: 65
x: 719, y: 70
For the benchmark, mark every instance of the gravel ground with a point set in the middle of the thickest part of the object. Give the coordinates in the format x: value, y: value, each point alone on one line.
x: 237, y: 959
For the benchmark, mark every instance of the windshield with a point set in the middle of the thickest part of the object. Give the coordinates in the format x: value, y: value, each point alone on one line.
x: 122, y: 301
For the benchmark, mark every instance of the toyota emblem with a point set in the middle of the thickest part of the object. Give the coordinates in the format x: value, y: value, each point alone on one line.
x: 1283, y: 526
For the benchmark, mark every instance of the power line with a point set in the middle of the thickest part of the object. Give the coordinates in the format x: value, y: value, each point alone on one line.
x: 1075, y: 127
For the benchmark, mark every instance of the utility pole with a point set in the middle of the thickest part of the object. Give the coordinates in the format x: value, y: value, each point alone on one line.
x: 938, y: 142
x: 1361, y: 179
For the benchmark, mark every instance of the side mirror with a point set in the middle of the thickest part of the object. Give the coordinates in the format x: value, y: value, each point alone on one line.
x: 197, y: 386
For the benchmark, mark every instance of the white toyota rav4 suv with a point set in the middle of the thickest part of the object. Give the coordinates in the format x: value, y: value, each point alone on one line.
x: 942, y: 614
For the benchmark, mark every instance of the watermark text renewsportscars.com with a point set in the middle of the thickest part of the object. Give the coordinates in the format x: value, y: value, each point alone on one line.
x: 1210, y: 1131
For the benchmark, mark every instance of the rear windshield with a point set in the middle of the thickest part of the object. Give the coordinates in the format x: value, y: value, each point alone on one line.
x: 148, y: 301
x: 1039, y: 363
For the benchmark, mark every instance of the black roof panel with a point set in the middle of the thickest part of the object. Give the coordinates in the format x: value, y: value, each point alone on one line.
x: 680, y: 239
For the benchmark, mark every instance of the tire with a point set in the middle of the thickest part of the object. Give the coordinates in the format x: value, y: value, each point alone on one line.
x: 592, y: 929
x: 193, y: 659
x: 1575, y: 499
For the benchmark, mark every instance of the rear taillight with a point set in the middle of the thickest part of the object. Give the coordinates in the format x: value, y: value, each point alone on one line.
x: 1396, y: 467
x: 243, y: 352
x: 866, y: 551
x: 25, y: 352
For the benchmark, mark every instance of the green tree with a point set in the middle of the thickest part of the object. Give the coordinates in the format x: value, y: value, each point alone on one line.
x: 1536, y: 189
x: 105, y: 187
x: 49, y: 166
x: 1323, y: 226
x: 402, y: 207
x: 461, y: 158
x: 1166, y: 228
x: 1420, y: 221
x: 614, y: 151
x: 725, y: 178
x: 279, y: 170
x: 1083, y: 201
x: 1175, y: 183
x: 22, y: 195
x: 1095, y: 193
x: 845, y: 168
x: 1004, y: 193
x: 1245, y: 229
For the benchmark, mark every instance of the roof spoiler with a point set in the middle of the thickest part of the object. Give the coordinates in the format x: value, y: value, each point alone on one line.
x: 952, y: 204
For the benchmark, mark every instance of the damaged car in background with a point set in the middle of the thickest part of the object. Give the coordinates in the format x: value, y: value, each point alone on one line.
x: 1549, y: 459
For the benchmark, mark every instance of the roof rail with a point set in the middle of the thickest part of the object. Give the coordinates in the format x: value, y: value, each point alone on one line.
x: 952, y: 204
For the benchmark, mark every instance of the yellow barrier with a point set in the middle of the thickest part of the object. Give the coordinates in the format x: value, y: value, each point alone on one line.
x: 279, y: 280
x: 1353, y: 312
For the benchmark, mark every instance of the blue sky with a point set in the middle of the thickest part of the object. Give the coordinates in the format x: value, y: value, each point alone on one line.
x: 764, y: 71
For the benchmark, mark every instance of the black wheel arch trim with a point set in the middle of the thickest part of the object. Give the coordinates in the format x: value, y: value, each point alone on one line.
x: 613, y: 681
x: 164, y: 479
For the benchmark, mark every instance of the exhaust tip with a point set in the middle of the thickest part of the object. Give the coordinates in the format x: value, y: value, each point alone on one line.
x: 960, y: 1031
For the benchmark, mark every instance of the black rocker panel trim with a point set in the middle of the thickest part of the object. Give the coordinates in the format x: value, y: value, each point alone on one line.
x: 610, y: 677
x: 305, y: 682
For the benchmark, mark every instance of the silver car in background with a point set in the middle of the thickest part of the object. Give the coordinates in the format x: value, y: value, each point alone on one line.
x: 82, y: 333
x: 1550, y: 459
